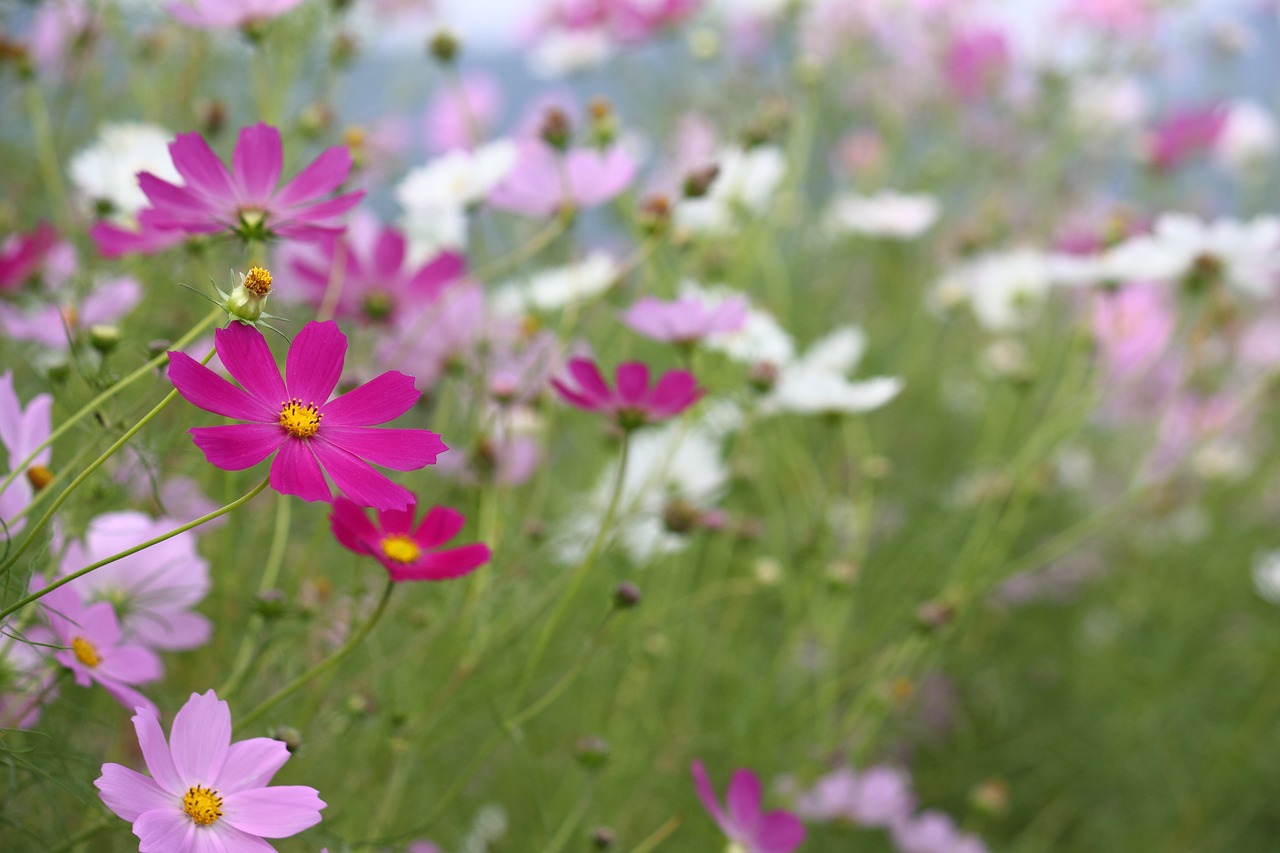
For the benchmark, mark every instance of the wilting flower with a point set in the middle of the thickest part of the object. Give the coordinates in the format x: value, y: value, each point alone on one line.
x: 22, y: 430
x: 106, y: 173
x: 22, y: 255
x: 633, y: 403
x: 225, y: 14
x: 205, y: 792
x: 295, y: 416
x: 246, y: 200
x: 153, y: 590
x: 545, y: 181
x: 686, y: 320
x: 741, y: 819
x: 92, y: 646
x: 409, y: 553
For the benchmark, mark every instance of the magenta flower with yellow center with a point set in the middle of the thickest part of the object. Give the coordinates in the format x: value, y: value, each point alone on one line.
x: 293, y: 417
x: 409, y: 552
x: 633, y: 403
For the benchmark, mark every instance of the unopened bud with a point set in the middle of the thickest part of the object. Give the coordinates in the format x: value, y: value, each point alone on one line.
x: 698, y: 182
x: 212, y: 116
x: 603, y: 838
x: 991, y: 797
x: 603, y: 123
x: 315, y: 119
x: 591, y: 752
x: 556, y: 129
x: 680, y: 516
x: 249, y: 297
x: 289, y: 736
x: 655, y: 215
x: 270, y: 604
x: 626, y: 595
x: 343, y: 49
x: 763, y: 376
x: 444, y: 46
x: 933, y: 615
x: 104, y: 338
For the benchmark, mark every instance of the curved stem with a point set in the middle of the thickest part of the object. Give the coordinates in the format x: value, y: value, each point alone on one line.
x: 207, y: 517
x: 93, y: 405
x: 324, y: 665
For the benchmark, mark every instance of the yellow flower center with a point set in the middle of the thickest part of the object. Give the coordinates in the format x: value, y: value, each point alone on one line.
x: 258, y: 281
x: 202, y: 805
x: 401, y: 549
x: 39, y: 476
x: 85, y: 652
x: 298, y: 420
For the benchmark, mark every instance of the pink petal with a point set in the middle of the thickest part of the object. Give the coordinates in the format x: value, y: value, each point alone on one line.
x: 200, y: 168
x: 173, y: 199
x: 314, y: 364
x: 251, y: 764
x: 200, y: 738
x: 633, y: 382
x: 676, y: 391
x: 397, y: 449
x: 256, y: 163
x: 706, y: 793
x: 229, y: 840
x: 442, y: 565
x: 126, y: 695
x: 203, y: 388
x: 388, y: 254
x: 445, y: 267
x: 438, y: 526
x: 234, y: 447
x: 325, y: 174
x: 131, y: 665
x: 589, y: 379
x: 155, y: 752
x: 381, y: 399
x: 166, y: 830
x: 171, y: 631
x: 351, y: 526
x: 575, y: 398
x: 273, y: 812
x: 243, y: 351
x: 296, y: 472
x: 743, y: 800
x: 398, y: 520
x: 779, y: 832
x: 313, y: 220
x: 357, y: 480
x: 129, y: 793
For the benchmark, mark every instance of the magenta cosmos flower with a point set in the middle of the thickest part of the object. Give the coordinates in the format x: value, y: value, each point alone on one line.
x: 409, y: 553
x: 206, y: 793
x: 245, y: 200
x: 21, y: 255
x: 225, y: 14
x: 633, y: 403
x: 742, y: 821
x: 686, y: 320
x: 295, y: 416
x: 91, y: 646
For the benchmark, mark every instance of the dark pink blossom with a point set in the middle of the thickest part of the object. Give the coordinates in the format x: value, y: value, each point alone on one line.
x: 374, y: 277
x: 686, y: 320
x: 976, y: 60
x: 113, y: 240
x: 741, y: 819
x: 544, y: 181
x: 22, y: 255
x: 1184, y: 133
x: 206, y: 793
x: 408, y: 552
x: 247, y: 200
x: 633, y: 403
x: 313, y: 434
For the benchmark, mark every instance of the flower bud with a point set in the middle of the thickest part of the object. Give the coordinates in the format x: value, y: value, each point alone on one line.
x: 602, y: 838
x: 39, y: 476
x: 933, y: 615
x: 680, y: 516
x: 698, y: 182
x: 603, y: 123
x: 289, y: 736
x: 444, y: 46
x: 763, y: 376
x: 591, y: 752
x: 991, y: 797
x: 556, y: 129
x: 626, y: 595
x: 104, y: 338
x: 248, y: 298
x: 654, y: 218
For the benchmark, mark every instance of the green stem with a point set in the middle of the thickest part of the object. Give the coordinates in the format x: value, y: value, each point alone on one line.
x: 207, y: 517
x: 94, y: 404
x: 270, y: 574
x: 46, y: 153
x: 324, y: 665
x: 40, y: 525
x: 579, y: 575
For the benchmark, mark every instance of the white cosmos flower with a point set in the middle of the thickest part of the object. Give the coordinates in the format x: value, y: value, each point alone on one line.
x: 106, y: 173
x: 560, y: 52
x: 746, y: 181
x: 1249, y: 136
x: 1004, y: 288
x: 760, y: 340
x: 885, y: 214
x: 1248, y: 253
x: 557, y: 288
x: 817, y: 382
x: 435, y: 197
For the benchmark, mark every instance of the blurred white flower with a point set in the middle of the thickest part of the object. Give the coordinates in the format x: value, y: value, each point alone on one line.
x: 1248, y: 138
x: 746, y: 181
x: 560, y: 52
x: 1109, y: 106
x: 1266, y: 575
x: 106, y: 173
x: 1245, y: 254
x: 557, y: 288
x: 817, y: 383
x: 435, y: 197
x: 760, y: 340
x: 885, y: 214
x: 1005, y: 289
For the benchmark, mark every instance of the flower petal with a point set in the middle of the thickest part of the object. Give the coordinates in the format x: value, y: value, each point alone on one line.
x: 200, y: 738
x: 314, y: 363
x: 325, y: 174
x: 296, y: 472
x: 203, y: 388
x: 273, y: 812
x: 388, y: 254
x: 155, y: 752
x: 356, y: 479
x: 200, y: 168
x: 397, y: 449
x: 743, y: 800
x: 589, y: 379
x: 128, y: 793
x: 351, y: 526
x: 230, y: 840
x: 251, y: 764
x: 234, y: 447
x: 675, y: 392
x: 633, y: 382
x: 438, y: 526
x: 256, y: 163
x: 381, y: 399
x: 779, y: 832
x: 243, y: 351
x: 706, y: 793
x: 166, y: 830
x: 131, y: 665
x: 442, y: 565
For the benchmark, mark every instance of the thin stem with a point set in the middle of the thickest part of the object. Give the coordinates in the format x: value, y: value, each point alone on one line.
x: 207, y: 517
x: 46, y: 153
x: 324, y: 665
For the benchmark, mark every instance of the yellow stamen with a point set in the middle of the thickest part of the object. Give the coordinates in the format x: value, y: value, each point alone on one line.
x: 258, y: 281
x: 202, y: 805
x: 85, y: 652
x: 298, y: 420
x: 39, y: 476
x: 401, y: 549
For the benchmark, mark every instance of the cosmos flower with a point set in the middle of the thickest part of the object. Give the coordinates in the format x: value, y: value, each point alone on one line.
x: 686, y: 320
x: 879, y: 796
x: 816, y: 383
x: 461, y: 115
x: 886, y: 214
x: 933, y: 832
x: 545, y: 181
x: 22, y: 430
x: 742, y: 821
x: 106, y: 172
x: 633, y: 403
x: 205, y: 792
x: 409, y: 553
x: 59, y: 320
x: 22, y: 255
x: 313, y: 434
x: 226, y: 14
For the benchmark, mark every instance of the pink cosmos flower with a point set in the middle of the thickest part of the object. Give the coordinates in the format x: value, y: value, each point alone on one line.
x: 22, y: 430
x: 22, y: 255
x: 59, y: 29
x: 409, y: 553
x: 1184, y: 133
x: 377, y: 283
x: 634, y: 403
x: 462, y: 115
x: 295, y: 416
x: 431, y: 339
x: 29, y: 682
x: 686, y: 320
x: 92, y: 647
x: 152, y: 590
x: 226, y: 14
x: 881, y: 796
x: 545, y: 181
x: 206, y: 793
x: 245, y: 200
x: 934, y: 832
x: 742, y: 821
x: 976, y: 60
